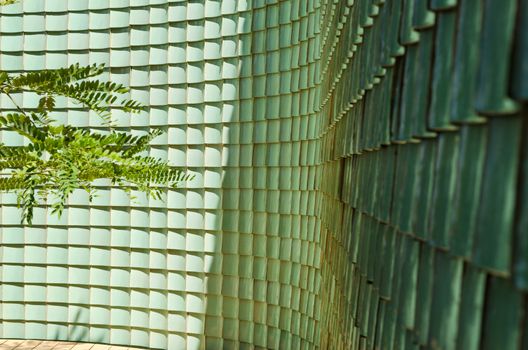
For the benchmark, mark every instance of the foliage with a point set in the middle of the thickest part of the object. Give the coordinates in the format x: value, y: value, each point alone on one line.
x: 61, y: 158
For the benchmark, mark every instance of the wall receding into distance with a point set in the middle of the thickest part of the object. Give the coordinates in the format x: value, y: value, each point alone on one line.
x: 424, y: 187
x: 229, y: 259
x: 361, y: 176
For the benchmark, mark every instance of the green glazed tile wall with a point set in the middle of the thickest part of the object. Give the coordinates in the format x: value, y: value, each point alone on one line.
x: 231, y: 259
x: 423, y: 189
x: 361, y: 177
x: 117, y: 271
x: 263, y: 291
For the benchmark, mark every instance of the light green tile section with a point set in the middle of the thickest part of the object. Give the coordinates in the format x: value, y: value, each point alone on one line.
x: 114, y: 270
x: 230, y: 260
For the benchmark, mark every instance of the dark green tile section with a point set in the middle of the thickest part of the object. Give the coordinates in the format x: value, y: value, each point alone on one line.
x: 424, y: 139
x: 520, y: 65
x: 471, y: 308
x: 503, y: 315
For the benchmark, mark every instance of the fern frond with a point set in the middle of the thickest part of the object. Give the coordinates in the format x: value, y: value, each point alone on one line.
x: 11, y: 183
x: 13, y: 152
x: 141, y: 143
x: 23, y: 125
x: 71, y: 83
x: 61, y: 158
x: 27, y: 199
x: 46, y: 104
x: 18, y: 162
x: 50, y: 79
x: 132, y: 106
x: 95, y: 95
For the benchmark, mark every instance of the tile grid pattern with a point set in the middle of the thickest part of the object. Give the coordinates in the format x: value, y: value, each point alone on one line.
x: 117, y: 271
x: 266, y: 294
x: 358, y: 185
x: 230, y: 260
x: 424, y: 238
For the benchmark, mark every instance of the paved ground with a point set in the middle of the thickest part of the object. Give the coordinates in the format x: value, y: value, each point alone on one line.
x: 6, y: 344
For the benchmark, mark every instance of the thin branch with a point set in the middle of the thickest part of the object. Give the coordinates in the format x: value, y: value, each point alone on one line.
x: 16, y: 104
